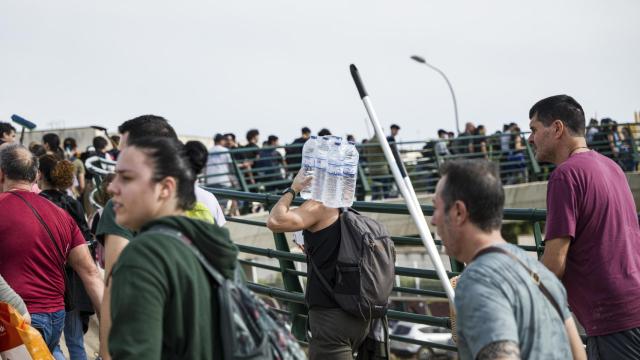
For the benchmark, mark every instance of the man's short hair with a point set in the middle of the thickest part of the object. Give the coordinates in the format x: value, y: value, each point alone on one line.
x: 231, y: 135
x: 272, y: 139
x: 18, y: 163
x: 305, y: 130
x: 6, y: 128
x: 324, y: 132
x: 563, y: 108
x: 477, y: 184
x: 70, y: 143
x: 395, y: 127
x: 441, y: 131
x: 252, y: 133
x: 147, y: 125
x: 217, y: 138
x: 99, y: 143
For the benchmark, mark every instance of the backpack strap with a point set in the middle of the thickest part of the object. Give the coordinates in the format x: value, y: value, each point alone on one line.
x: 323, y: 281
x: 178, y: 235
x: 534, y: 275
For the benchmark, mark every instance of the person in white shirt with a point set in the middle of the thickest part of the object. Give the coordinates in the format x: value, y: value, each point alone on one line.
x: 217, y: 172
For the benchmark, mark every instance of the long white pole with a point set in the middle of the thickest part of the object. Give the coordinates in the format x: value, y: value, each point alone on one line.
x: 406, y: 188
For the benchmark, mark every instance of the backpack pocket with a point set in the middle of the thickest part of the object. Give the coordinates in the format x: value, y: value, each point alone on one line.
x: 347, y: 279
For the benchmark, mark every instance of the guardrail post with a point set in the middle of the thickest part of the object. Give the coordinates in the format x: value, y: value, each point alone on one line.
x: 456, y: 266
x: 366, y: 187
x: 535, y: 167
x: 239, y: 175
x: 634, y: 151
x: 292, y: 283
x: 537, y: 236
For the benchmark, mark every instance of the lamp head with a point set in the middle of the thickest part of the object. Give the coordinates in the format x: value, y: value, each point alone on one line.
x: 418, y: 59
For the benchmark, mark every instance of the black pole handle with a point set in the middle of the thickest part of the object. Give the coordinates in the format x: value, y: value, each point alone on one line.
x: 356, y: 78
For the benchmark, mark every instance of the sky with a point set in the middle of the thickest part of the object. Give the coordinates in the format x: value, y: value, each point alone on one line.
x: 228, y: 66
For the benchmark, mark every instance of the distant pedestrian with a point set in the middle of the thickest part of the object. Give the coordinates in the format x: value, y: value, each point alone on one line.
x: 441, y: 144
x: 51, y: 143
x: 270, y: 165
x: 294, y: 151
x: 7, y: 133
x: 219, y: 164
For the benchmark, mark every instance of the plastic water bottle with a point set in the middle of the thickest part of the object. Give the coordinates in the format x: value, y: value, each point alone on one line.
x: 320, y: 171
x: 332, y: 195
x: 308, y: 164
x: 349, y: 174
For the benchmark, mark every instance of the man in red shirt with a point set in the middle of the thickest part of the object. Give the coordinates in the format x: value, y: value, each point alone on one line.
x: 592, y: 240
x: 37, y: 238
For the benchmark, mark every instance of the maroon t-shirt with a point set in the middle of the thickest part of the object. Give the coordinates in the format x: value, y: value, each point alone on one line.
x: 29, y: 261
x: 589, y: 200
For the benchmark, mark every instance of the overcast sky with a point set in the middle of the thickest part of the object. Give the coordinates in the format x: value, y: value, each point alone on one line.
x: 228, y: 66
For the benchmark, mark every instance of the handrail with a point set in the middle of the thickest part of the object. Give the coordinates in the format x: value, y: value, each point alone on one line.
x: 295, y: 298
x: 420, y: 157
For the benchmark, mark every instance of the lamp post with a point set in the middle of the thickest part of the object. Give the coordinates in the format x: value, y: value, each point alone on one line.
x: 453, y: 95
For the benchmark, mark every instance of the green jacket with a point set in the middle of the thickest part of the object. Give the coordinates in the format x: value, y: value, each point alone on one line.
x: 162, y: 306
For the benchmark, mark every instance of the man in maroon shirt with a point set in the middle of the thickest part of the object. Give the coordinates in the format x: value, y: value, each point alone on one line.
x: 592, y: 239
x: 32, y: 256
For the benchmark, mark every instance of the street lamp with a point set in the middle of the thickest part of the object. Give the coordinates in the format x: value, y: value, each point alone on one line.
x: 453, y: 95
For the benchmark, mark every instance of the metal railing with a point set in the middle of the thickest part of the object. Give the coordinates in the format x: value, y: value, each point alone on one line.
x: 268, y: 170
x: 291, y: 293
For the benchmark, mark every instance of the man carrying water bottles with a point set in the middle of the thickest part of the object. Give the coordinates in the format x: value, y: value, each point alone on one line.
x: 335, y: 334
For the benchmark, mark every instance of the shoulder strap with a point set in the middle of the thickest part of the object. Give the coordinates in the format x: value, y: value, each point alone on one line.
x: 46, y: 227
x: 323, y: 281
x: 534, y: 275
x: 175, y: 234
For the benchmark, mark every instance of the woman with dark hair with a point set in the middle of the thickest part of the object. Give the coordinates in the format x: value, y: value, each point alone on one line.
x: 162, y: 303
x: 51, y: 143
x: 207, y: 207
x: 55, y: 178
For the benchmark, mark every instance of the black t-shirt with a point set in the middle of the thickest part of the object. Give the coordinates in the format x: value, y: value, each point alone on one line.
x: 293, y: 153
x: 323, y: 247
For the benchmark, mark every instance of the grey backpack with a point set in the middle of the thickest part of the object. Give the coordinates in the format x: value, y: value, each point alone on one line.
x: 365, y: 267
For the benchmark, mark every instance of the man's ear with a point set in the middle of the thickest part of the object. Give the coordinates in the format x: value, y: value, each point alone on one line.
x: 559, y: 128
x: 2, y: 179
x: 460, y: 212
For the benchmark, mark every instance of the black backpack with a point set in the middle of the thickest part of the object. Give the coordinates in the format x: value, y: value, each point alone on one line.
x: 365, y: 271
x: 248, y: 328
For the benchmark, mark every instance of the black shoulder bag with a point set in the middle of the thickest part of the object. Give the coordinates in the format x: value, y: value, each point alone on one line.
x: 68, y: 296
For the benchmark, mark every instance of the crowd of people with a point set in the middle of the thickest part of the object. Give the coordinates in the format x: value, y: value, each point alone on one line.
x: 155, y: 300
x: 508, y: 147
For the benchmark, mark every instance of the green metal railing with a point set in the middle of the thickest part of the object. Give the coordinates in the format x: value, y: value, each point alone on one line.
x: 291, y: 293
x: 266, y: 170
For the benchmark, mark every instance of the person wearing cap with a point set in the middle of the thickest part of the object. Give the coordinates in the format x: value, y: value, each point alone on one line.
x: 294, y: 151
x: 441, y: 145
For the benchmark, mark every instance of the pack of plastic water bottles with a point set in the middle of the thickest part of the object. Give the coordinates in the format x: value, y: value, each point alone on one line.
x: 334, y: 167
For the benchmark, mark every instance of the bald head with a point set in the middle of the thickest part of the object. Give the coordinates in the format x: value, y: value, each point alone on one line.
x: 17, y: 163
